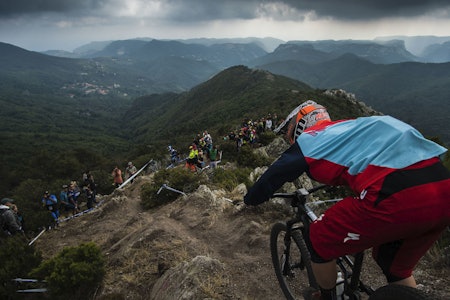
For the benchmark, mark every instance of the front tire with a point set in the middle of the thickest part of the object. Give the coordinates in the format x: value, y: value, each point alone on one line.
x: 292, y: 266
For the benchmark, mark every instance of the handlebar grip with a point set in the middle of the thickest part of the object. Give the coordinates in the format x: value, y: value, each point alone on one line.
x: 320, y: 187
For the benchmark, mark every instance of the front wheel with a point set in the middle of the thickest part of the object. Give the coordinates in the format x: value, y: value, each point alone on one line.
x: 291, y: 261
x: 397, y: 291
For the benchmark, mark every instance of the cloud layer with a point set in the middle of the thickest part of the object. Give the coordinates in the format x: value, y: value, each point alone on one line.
x: 195, y: 10
x: 285, y: 19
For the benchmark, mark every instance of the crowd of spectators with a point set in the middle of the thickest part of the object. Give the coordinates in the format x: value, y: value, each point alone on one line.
x: 250, y: 130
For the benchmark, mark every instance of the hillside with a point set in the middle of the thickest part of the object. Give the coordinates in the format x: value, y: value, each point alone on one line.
x: 221, y: 103
x: 114, y: 73
x: 201, y: 246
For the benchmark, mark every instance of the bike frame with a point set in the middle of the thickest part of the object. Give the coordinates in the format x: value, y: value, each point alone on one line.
x: 304, y: 215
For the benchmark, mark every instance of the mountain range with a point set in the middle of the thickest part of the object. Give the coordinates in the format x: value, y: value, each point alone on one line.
x: 381, y: 73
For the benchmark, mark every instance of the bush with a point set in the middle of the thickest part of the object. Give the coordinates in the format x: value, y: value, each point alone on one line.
x: 266, y: 137
x: 74, y: 273
x: 229, y: 179
x: 180, y: 179
x: 247, y: 158
x: 28, y: 197
x: 17, y: 260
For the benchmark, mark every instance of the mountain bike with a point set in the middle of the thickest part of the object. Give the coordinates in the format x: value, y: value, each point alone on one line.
x: 292, y: 261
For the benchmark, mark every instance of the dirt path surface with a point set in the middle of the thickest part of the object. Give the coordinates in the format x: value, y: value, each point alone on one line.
x: 140, y: 246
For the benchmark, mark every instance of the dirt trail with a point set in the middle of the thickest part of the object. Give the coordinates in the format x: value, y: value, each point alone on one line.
x: 140, y: 245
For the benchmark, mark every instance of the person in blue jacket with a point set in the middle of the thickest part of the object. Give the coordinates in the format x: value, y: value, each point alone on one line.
x: 50, y: 202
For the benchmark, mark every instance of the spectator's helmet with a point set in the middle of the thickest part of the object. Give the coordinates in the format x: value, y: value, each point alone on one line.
x: 302, y: 117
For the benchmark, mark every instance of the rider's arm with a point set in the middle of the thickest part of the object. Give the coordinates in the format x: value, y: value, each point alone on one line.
x: 288, y: 167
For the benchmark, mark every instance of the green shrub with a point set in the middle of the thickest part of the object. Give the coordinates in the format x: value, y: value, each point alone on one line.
x: 74, y: 273
x: 28, y: 195
x: 17, y: 260
x: 247, y: 158
x: 229, y: 151
x: 230, y: 178
x: 179, y: 179
x: 266, y: 137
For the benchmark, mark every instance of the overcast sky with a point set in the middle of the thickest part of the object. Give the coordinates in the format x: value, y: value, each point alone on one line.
x: 67, y: 24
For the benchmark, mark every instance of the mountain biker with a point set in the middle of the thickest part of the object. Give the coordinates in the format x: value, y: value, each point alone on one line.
x: 403, y: 196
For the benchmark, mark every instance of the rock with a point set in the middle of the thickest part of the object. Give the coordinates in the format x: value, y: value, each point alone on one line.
x: 189, y: 280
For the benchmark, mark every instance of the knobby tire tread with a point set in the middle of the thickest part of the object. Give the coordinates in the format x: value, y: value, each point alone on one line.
x: 298, y: 238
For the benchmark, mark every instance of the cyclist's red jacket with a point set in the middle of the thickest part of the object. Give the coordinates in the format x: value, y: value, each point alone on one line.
x: 354, y: 152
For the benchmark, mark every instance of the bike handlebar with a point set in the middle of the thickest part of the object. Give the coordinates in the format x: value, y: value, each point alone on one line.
x: 299, y: 192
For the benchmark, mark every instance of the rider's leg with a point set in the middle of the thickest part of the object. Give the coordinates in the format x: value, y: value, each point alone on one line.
x: 398, y: 259
x: 325, y: 274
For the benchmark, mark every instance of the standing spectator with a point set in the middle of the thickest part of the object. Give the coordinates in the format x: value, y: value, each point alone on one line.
x: 8, y: 220
x: 274, y: 120
x: 64, y: 199
x: 73, y: 194
x: 85, y: 176
x: 89, y: 182
x: 117, y: 176
x: 10, y: 203
x: 200, y: 159
x: 192, y: 159
x: 269, y: 123
x: 208, y: 140
x: 174, y: 158
x: 213, y: 157
x: 130, y: 171
x: 50, y: 202
x: 18, y: 215
x: 90, y: 197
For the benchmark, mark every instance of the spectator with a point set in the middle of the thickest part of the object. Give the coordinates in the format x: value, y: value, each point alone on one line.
x: 192, y: 159
x: 130, y: 171
x: 85, y: 176
x: 64, y: 199
x: 8, y: 220
x: 213, y: 157
x: 18, y: 215
x: 73, y: 194
x: 269, y: 123
x: 174, y: 158
x: 117, y: 175
x: 50, y: 202
x: 208, y: 140
x: 200, y: 159
x: 90, y: 197
x: 274, y: 121
x: 89, y: 182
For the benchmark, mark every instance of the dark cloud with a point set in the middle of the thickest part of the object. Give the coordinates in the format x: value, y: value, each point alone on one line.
x: 23, y: 7
x: 368, y: 9
x: 198, y: 10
